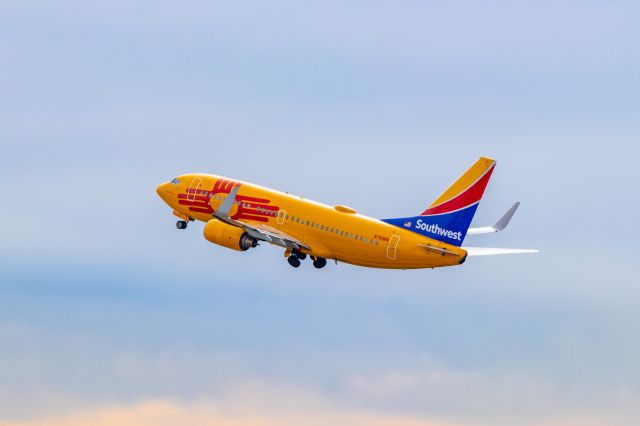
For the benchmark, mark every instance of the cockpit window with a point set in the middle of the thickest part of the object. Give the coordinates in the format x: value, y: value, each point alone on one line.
x: 175, y: 181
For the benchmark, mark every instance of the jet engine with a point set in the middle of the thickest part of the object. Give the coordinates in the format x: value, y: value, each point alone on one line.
x: 228, y: 236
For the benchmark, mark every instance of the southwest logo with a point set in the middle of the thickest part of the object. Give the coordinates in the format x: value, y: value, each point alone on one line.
x: 435, y: 229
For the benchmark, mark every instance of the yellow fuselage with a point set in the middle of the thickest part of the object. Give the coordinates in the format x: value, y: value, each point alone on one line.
x: 332, y: 232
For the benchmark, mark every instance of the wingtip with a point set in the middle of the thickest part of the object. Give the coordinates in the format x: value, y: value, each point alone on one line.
x: 502, y: 223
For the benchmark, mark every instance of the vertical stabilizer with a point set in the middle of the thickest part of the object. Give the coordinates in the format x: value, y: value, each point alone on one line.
x: 448, y: 218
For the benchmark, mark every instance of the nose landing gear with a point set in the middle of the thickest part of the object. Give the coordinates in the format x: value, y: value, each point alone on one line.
x: 181, y: 224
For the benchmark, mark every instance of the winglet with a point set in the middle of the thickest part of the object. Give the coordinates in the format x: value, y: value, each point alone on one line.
x: 499, y: 225
x: 504, y: 220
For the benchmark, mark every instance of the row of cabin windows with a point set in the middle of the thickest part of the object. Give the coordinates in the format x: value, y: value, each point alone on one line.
x: 332, y: 230
x: 241, y: 204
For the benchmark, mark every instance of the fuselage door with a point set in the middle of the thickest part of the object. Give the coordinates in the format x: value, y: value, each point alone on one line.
x: 281, y: 216
x: 392, y: 247
x: 193, y: 189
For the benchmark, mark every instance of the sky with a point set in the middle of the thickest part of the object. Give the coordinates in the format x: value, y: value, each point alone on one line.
x: 109, y: 315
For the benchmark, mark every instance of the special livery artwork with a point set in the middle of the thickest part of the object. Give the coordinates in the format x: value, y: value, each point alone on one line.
x: 249, y: 208
x: 240, y: 215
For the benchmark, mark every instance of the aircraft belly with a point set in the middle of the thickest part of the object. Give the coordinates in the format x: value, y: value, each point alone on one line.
x: 412, y: 257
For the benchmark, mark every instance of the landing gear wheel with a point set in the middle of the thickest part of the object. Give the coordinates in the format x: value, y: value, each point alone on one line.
x: 320, y: 262
x: 181, y: 224
x: 294, y: 261
x: 301, y: 256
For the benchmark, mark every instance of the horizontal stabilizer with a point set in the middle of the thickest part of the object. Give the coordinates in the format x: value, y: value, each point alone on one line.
x: 488, y: 251
x: 500, y: 224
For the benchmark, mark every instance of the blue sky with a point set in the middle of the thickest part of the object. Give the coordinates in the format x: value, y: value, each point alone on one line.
x: 108, y: 312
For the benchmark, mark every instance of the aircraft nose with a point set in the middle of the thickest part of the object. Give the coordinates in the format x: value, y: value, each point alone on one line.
x: 164, y: 190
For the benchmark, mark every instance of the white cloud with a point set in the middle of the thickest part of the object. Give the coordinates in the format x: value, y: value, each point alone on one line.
x: 259, y: 405
x: 254, y: 405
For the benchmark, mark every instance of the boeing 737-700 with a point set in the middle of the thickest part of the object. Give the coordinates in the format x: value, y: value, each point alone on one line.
x: 239, y: 215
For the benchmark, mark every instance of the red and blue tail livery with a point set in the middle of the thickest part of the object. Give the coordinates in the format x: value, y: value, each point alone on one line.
x: 448, y: 218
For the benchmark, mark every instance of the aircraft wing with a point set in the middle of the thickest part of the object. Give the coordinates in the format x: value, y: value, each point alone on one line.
x: 257, y: 231
x: 270, y: 235
x: 489, y: 251
x: 499, y: 225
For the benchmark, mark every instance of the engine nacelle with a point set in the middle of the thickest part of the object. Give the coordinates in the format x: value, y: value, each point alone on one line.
x: 228, y: 236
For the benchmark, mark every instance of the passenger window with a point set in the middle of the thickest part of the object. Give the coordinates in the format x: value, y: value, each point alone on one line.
x: 286, y: 217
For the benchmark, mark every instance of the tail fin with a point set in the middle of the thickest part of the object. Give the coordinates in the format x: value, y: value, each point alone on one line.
x: 448, y: 218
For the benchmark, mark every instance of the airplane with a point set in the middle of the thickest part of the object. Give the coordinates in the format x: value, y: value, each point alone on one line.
x: 239, y: 215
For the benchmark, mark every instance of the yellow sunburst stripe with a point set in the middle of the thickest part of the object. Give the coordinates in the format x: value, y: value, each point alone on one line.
x: 469, y: 177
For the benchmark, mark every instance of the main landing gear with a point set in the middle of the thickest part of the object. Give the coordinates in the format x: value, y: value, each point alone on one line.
x: 319, y: 262
x: 296, y: 256
x: 293, y: 260
x: 181, y: 224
